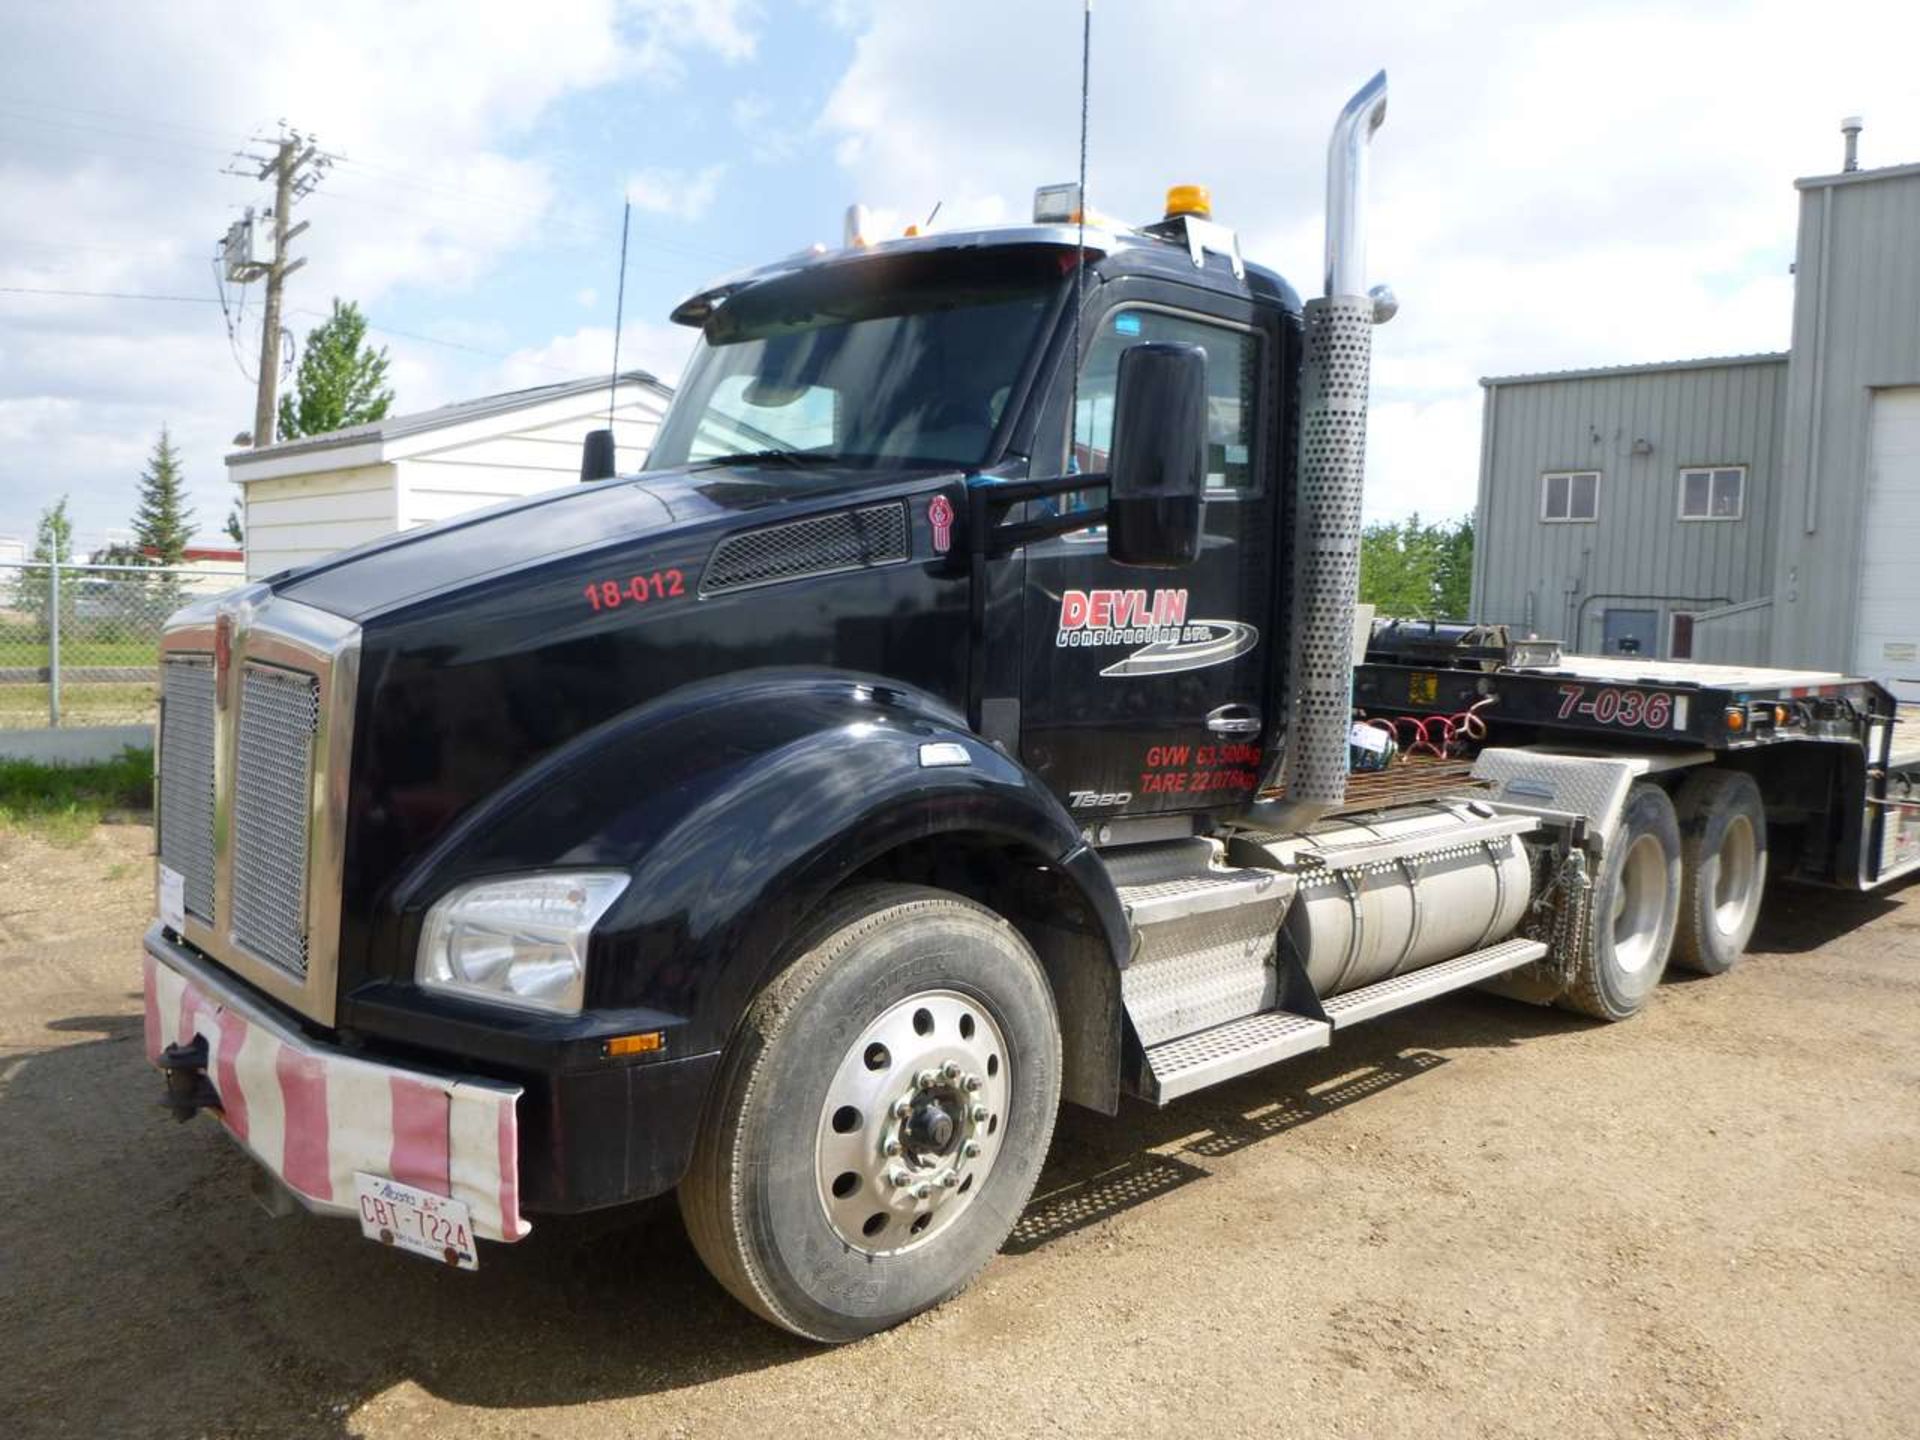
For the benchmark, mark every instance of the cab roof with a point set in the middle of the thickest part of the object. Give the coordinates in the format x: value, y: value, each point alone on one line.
x: 1161, y: 251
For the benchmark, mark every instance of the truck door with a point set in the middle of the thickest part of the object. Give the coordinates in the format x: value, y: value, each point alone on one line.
x: 1143, y: 691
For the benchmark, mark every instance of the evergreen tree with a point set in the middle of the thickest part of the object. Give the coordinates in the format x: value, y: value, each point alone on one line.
x: 163, y: 525
x: 234, y: 532
x: 342, y: 380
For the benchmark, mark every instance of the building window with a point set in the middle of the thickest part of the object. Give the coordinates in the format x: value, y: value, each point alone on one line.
x: 1713, y: 492
x: 1680, y: 636
x: 1570, y: 495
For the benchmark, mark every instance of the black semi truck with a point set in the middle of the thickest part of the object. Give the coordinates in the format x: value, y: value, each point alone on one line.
x: 964, y: 712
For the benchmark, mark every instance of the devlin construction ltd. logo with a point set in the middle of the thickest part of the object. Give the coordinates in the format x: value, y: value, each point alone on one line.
x: 1156, y: 622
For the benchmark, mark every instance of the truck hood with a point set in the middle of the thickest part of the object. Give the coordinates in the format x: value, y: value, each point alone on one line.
x: 414, y: 565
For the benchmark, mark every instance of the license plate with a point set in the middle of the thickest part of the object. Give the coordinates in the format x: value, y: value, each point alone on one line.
x: 409, y: 1218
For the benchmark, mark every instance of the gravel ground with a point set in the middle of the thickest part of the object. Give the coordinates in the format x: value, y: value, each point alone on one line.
x: 1472, y: 1218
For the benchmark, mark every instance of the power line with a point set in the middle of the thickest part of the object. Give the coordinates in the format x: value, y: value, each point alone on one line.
x: 107, y: 295
x: 447, y: 344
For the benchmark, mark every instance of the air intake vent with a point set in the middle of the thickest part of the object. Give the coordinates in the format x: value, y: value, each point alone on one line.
x: 186, y: 777
x: 273, y: 802
x: 818, y: 545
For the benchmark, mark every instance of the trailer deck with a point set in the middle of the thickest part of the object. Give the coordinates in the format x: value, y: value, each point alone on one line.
x: 1661, y: 702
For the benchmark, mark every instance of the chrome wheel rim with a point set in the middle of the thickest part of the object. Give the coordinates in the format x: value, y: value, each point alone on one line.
x: 1733, y: 882
x: 1639, y: 904
x: 912, y: 1122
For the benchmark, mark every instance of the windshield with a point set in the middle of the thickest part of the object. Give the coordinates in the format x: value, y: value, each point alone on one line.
x: 903, y: 360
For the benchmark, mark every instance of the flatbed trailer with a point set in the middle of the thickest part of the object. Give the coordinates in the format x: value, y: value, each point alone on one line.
x: 1853, y: 809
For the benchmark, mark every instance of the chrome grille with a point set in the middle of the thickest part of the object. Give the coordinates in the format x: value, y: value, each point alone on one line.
x: 273, y: 789
x: 817, y: 545
x: 186, y: 777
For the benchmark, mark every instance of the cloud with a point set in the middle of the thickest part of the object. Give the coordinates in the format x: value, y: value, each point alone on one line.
x: 1552, y: 188
x: 686, y: 195
x: 426, y: 104
x: 660, y: 349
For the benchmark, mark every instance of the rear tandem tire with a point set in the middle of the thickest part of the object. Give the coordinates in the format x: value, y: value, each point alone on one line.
x: 811, y: 1197
x: 1723, y: 851
x: 1636, y: 904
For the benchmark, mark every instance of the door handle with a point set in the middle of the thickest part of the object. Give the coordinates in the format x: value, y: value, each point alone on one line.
x: 1234, y: 720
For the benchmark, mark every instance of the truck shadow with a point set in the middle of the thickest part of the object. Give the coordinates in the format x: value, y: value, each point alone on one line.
x: 1795, y: 919
x: 1100, y: 1167
x: 133, y: 1257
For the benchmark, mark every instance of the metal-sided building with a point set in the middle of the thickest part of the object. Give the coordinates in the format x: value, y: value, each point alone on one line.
x: 1617, y: 505
x: 1759, y: 508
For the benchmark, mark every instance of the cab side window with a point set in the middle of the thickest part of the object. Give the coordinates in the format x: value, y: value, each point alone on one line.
x: 1233, y: 370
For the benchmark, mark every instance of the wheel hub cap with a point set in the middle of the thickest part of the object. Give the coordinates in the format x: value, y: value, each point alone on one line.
x: 912, y: 1121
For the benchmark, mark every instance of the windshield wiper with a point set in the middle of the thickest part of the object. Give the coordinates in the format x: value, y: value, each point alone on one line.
x: 769, y: 457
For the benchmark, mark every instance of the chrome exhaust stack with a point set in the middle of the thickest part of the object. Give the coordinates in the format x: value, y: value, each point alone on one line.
x: 1338, y: 343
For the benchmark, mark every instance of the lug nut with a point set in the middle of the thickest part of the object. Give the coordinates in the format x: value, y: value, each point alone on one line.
x: 902, y: 1109
x: 898, y: 1177
x: 893, y: 1148
x: 972, y: 1082
x: 979, y: 1113
x: 951, y: 1069
x: 971, y: 1149
x: 949, y: 1180
x: 921, y: 1192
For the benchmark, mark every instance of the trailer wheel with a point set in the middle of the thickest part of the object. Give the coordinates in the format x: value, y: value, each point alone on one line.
x: 1723, y: 851
x: 880, y: 1117
x: 1636, y: 904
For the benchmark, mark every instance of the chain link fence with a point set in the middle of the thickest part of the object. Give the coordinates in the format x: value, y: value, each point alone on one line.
x: 79, y: 644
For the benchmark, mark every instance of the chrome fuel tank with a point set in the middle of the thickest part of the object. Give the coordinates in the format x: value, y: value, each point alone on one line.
x: 1380, y: 895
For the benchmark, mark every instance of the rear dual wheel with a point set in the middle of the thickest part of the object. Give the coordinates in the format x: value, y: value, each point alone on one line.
x: 1682, y: 880
x: 880, y: 1118
x: 1635, y: 910
x: 1723, y: 849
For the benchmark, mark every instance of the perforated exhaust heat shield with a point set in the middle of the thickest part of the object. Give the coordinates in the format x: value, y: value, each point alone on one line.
x: 1326, y: 555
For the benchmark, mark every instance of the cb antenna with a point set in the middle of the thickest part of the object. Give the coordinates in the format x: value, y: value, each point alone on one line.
x: 598, y: 460
x: 1080, y: 269
x: 619, y: 312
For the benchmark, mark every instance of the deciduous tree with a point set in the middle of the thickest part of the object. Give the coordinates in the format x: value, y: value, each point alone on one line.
x: 341, y: 381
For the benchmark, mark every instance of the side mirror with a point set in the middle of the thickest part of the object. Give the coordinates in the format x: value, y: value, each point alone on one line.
x: 596, y: 456
x: 1157, y: 472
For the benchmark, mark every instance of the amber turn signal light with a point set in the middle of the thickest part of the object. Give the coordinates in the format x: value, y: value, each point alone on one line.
x: 1736, y: 719
x: 647, y: 1042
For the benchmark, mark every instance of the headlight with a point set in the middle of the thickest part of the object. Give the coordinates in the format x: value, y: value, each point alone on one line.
x: 521, y: 941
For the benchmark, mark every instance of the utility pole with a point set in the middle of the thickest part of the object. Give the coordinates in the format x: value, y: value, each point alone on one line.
x: 295, y: 166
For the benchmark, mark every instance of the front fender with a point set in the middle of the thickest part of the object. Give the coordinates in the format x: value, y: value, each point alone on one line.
x: 737, y: 806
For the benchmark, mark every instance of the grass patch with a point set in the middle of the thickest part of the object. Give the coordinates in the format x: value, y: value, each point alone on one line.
x: 90, y: 703
x: 65, y: 802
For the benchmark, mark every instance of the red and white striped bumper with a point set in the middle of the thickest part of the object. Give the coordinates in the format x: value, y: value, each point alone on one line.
x: 314, y: 1115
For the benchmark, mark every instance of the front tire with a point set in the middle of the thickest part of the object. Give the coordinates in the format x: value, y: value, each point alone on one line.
x: 1723, y: 847
x: 880, y: 1117
x: 1636, y: 905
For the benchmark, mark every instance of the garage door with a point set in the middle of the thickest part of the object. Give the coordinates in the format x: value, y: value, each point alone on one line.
x: 1888, y: 624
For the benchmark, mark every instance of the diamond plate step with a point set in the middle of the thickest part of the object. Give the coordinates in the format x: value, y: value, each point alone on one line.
x: 1185, y: 895
x: 1401, y: 991
x: 1203, y: 949
x: 1207, y: 1057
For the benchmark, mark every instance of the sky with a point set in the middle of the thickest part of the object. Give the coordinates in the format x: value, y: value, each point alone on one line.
x: 1556, y: 185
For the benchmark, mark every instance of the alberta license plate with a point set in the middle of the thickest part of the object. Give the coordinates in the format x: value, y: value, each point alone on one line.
x: 409, y: 1218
